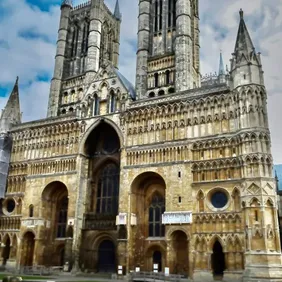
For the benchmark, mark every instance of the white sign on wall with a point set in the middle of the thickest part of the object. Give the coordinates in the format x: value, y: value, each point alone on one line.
x: 182, y: 217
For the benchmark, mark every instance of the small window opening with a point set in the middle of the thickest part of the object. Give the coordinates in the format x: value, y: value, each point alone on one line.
x: 179, y: 199
x: 156, y: 76
x: 244, y: 76
x: 256, y: 215
x: 179, y: 174
x: 167, y: 75
x: 31, y: 209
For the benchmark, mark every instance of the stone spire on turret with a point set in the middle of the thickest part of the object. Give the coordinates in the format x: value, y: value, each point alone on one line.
x: 244, y: 42
x: 221, y: 65
x: 117, y: 12
x: 67, y: 3
x: 246, y: 65
x: 11, y: 113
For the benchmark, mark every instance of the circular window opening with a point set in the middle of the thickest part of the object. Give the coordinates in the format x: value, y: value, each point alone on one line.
x: 219, y: 199
x: 11, y: 205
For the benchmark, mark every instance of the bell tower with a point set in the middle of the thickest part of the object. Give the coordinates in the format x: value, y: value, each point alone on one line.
x: 168, y: 47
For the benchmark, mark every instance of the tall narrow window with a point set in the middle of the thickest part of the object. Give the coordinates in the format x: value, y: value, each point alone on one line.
x: 112, y: 103
x: 174, y: 13
x: 156, y: 76
x: 76, y: 40
x: 95, y: 105
x: 73, y: 41
x: 62, y: 217
x: 157, y: 208
x: 108, y: 190
x: 31, y: 209
x: 156, y: 16
x: 167, y: 77
x: 87, y: 36
x: 83, y: 39
x: 169, y: 12
x: 161, y: 16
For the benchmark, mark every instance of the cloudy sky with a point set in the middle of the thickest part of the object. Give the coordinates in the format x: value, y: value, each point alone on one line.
x: 28, y: 33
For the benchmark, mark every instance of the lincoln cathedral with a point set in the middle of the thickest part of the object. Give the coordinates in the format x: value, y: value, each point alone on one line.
x: 172, y: 173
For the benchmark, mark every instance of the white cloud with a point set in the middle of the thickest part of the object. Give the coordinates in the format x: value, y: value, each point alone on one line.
x: 30, y: 57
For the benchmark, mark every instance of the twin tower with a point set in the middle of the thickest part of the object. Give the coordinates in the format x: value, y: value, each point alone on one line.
x: 167, y: 52
x: 168, y: 47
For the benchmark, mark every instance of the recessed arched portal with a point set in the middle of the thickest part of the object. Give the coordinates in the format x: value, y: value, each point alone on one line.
x: 54, y: 210
x: 106, y: 257
x: 102, y: 149
x: 27, y: 251
x: 218, y: 260
x: 148, y: 203
x: 55, y: 207
x: 180, y: 253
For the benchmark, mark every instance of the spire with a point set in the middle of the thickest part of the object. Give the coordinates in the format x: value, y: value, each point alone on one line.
x: 221, y: 65
x: 243, y: 42
x: 66, y: 3
x: 11, y: 113
x: 117, y: 12
x: 245, y: 64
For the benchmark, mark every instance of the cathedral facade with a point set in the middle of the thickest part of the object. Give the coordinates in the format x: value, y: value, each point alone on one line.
x: 175, y: 172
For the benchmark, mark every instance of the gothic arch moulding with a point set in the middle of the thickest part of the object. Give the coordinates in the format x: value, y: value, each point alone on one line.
x: 96, y: 124
x: 213, y: 240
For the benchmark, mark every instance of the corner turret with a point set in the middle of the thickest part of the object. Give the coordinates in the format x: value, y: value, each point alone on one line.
x: 11, y: 113
x: 246, y: 65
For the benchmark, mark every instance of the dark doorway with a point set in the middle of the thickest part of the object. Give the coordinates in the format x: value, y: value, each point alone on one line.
x: 106, y: 257
x: 62, y: 256
x: 157, y: 259
x: 6, y: 251
x: 180, y: 248
x: 218, y: 262
x: 28, y: 249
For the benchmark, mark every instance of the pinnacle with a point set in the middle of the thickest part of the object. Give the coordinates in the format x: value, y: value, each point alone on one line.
x: 66, y: 2
x: 117, y: 12
x: 241, y: 13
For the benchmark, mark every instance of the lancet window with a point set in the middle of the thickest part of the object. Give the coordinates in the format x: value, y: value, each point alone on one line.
x: 157, y: 208
x: 62, y: 217
x: 108, y: 190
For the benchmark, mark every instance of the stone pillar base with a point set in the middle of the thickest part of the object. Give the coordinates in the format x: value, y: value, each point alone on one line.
x: 263, y: 273
x: 233, y: 276
x: 202, y: 276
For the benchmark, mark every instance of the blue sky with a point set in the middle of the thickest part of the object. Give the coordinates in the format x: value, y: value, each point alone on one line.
x: 28, y: 34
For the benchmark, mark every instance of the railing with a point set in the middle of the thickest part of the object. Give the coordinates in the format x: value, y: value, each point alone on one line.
x: 36, y: 270
x: 94, y: 221
x: 154, y: 276
x: 10, y: 223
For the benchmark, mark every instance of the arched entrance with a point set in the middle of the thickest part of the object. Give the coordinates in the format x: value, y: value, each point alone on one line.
x: 27, y: 249
x: 218, y: 260
x: 180, y: 253
x: 106, y: 257
x: 54, y: 209
x: 148, y: 201
x: 157, y: 259
x: 6, y: 251
x: 102, y: 151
